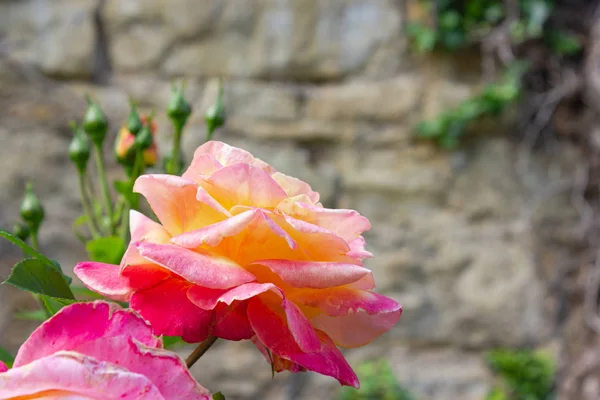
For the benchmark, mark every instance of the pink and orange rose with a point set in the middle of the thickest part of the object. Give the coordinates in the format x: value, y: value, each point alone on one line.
x: 97, y: 350
x: 245, y: 252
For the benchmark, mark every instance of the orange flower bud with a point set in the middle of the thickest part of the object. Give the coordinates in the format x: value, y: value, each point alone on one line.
x: 125, y: 150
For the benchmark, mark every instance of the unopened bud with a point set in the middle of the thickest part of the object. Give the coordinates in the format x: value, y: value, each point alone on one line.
x: 134, y: 123
x: 79, y: 149
x: 178, y: 108
x: 144, y: 139
x: 95, y: 123
x: 21, y: 231
x: 32, y: 211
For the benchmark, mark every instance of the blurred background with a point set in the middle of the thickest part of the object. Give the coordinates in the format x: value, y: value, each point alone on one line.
x: 466, y: 131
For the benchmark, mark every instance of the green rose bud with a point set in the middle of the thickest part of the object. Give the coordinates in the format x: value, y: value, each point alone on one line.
x: 215, y: 115
x: 144, y: 139
x: 21, y: 231
x: 178, y: 108
x: 95, y: 123
x: 134, y: 123
x: 32, y: 211
x: 79, y: 149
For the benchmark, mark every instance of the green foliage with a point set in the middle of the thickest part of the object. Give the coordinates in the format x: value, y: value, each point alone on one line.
x: 6, y: 357
x: 36, y: 277
x: 377, y: 383
x: 108, y: 249
x: 523, y: 375
x: 461, y: 24
x: 450, y: 126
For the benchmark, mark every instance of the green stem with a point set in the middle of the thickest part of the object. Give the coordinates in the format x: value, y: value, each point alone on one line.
x: 209, y: 134
x: 34, y: 240
x: 103, y: 181
x: 174, y: 161
x: 91, y: 222
x: 200, y: 350
x: 138, y: 169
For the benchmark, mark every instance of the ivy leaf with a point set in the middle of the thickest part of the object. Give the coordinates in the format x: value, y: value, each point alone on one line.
x: 108, y: 249
x: 38, y: 277
x: 6, y: 357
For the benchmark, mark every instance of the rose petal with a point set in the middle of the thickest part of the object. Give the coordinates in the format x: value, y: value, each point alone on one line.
x: 231, y: 321
x: 79, y: 323
x: 316, y: 275
x: 226, y: 155
x: 244, y: 184
x: 105, y: 279
x: 352, y: 318
x: 304, y: 334
x: 75, y: 374
x: 170, y: 312
x: 272, y: 330
x: 294, y: 187
x: 207, y: 299
x: 3, y: 367
x: 173, y: 199
x: 210, y: 271
x: 202, y: 165
x: 357, y: 249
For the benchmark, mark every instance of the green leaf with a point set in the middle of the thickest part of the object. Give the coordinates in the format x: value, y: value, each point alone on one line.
x: 6, y: 357
x: 85, y: 292
x: 37, y: 315
x: 54, y: 304
x: 34, y: 253
x: 108, y: 249
x: 218, y: 396
x: 125, y: 188
x: 172, y: 341
x: 38, y: 277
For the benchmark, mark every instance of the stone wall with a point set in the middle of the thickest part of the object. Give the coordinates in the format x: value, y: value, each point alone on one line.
x: 325, y: 90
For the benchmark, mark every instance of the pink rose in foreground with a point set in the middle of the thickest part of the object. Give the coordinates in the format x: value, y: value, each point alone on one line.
x: 245, y: 252
x: 97, y: 351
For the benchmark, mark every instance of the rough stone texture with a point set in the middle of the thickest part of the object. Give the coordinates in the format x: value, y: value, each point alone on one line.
x: 324, y: 90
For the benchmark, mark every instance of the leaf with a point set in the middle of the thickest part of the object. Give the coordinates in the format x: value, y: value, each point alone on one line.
x: 6, y: 357
x: 125, y: 188
x: 85, y: 292
x: 218, y: 396
x: 37, y: 277
x: 37, y: 315
x: 108, y: 249
x: 34, y: 253
x: 170, y: 342
x: 54, y: 304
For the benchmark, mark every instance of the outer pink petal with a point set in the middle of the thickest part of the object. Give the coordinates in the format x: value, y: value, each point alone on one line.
x: 294, y: 187
x: 227, y: 155
x: 163, y: 368
x: 357, y: 249
x: 272, y: 331
x: 304, y: 334
x: 317, y: 275
x: 352, y: 318
x: 77, y: 324
x: 3, y: 367
x: 356, y: 330
x: 173, y: 199
x: 143, y: 228
x: 244, y: 184
x: 77, y: 374
x: 207, y: 299
x: 210, y: 271
x: 212, y: 235
x: 170, y: 312
x: 105, y: 279
x: 145, y: 276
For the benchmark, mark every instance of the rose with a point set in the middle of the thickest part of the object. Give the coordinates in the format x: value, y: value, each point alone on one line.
x: 245, y: 252
x: 125, y: 151
x: 97, y: 350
